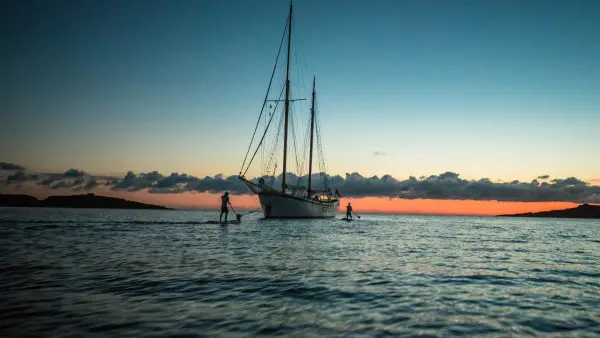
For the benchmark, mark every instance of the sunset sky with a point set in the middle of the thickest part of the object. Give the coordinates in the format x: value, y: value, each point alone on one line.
x: 501, y: 90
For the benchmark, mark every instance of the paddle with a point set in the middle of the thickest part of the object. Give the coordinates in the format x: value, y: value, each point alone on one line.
x: 238, y: 217
x: 232, y: 208
x: 357, y: 215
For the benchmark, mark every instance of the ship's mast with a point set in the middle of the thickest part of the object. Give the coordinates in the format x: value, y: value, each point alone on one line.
x: 287, y: 101
x: 312, y: 127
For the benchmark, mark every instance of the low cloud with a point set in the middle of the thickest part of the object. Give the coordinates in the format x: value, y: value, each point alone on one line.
x: 62, y: 185
x: 593, y: 198
x: 447, y: 185
x: 10, y: 166
x: 20, y: 176
x: 178, y: 183
x: 133, y: 182
x: 379, y: 153
x: 91, y: 184
x: 71, y: 179
x: 73, y: 173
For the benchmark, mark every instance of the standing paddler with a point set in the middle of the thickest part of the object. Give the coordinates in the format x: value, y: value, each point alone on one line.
x: 224, y: 209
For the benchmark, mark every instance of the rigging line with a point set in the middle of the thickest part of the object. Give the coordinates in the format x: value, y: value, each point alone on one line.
x: 303, y: 156
x: 263, y: 137
x: 272, y: 138
x: 266, y: 95
x: 264, y: 134
x: 293, y: 135
x: 299, y: 52
x: 322, y: 164
x: 272, y: 160
x: 299, y: 163
x: 262, y: 149
x: 295, y: 141
x: 275, y: 146
x: 302, y: 153
x: 322, y: 153
x: 307, y: 143
x: 301, y: 81
x: 301, y: 130
x: 306, y: 117
x: 273, y: 152
x: 299, y: 115
x: 299, y: 70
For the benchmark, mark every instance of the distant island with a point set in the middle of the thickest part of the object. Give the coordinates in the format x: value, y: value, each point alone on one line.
x: 582, y: 211
x: 74, y: 201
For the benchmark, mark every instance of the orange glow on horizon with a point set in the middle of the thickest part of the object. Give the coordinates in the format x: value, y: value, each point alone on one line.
x: 208, y: 201
x: 362, y: 205
x: 450, y: 207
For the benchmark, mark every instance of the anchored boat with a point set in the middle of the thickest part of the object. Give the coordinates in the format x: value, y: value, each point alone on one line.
x: 289, y: 200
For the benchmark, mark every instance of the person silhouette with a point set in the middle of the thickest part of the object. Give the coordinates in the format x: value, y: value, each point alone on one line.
x: 349, y: 211
x: 224, y: 209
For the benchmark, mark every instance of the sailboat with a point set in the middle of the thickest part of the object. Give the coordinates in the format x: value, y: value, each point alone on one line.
x: 287, y: 200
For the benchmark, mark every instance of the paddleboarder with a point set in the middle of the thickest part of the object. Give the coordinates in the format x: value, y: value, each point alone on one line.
x: 224, y: 209
x: 349, y: 211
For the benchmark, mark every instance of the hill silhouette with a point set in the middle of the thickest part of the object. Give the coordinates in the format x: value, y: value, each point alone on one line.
x: 74, y: 201
x: 581, y: 211
x: 18, y: 201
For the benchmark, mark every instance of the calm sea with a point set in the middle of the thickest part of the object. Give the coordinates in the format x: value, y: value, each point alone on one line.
x: 68, y: 272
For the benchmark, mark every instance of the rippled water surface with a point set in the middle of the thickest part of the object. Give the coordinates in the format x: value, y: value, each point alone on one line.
x: 67, y: 272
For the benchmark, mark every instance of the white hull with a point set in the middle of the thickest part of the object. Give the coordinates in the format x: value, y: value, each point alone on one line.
x: 286, y: 206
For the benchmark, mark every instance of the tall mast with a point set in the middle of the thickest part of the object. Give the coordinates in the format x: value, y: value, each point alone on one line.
x: 287, y: 100
x: 312, y: 127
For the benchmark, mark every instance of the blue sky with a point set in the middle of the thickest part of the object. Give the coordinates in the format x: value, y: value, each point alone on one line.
x: 498, y: 89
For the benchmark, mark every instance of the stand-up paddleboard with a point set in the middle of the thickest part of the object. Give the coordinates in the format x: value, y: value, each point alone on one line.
x: 346, y: 219
x: 223, y: 223
x: 237, y: 220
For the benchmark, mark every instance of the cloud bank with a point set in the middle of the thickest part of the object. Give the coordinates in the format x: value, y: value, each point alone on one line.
x: 445, y: 186
x: 10, y: 166
x: 71, y: 179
